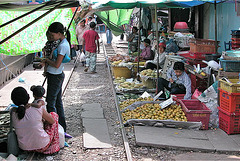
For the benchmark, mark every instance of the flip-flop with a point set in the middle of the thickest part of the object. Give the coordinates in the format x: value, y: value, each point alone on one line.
x: 67, y: 135
x: 86, y: 69
x: 93, y: 72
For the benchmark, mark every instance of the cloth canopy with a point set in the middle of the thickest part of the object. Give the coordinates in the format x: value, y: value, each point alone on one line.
x: 15, y: 5
x: 33, y: 38
x: 115, y: 18
x: 128, y: 4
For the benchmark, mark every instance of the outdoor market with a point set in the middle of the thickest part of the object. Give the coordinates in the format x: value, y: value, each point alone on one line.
x: 119, y: 80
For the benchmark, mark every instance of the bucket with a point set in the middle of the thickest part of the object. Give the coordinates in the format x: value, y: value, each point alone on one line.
x: 121, y: 72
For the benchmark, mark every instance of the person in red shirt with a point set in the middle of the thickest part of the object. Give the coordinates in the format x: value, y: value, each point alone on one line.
x: 91, y: 42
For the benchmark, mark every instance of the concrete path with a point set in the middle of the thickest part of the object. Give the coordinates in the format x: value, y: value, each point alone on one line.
x: 205, y: 156
x: 184, y: 139
x: 30, y: 77
x: 96, y: 131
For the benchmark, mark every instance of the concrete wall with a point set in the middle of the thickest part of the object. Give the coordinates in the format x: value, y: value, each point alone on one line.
x: 227, y: 20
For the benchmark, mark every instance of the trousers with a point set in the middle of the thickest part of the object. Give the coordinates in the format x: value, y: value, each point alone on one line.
x: 54, y: 96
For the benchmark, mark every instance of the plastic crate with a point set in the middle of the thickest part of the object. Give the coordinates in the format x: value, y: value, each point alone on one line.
x: 235, y: 32
x: 230, y: 65
x: 196, y: 111
x: 184, y: 54
x: 233, y: 87
x: 230, y: 102
x: 197, y: 55
x: 229, y: 122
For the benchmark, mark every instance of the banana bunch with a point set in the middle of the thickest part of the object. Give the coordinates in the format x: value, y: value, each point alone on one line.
x: 115, y: 63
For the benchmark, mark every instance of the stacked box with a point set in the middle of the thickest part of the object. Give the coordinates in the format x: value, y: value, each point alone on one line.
x: 229, y: 109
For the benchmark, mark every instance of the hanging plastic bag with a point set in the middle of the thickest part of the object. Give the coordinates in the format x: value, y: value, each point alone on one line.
x: 82, y: 57
x: 61, y: 136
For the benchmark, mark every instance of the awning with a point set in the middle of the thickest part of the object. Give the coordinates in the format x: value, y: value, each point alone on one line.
x: 115, y: 18
x: 33, y: 38
x: 128, y: 4
x: 15, y: 5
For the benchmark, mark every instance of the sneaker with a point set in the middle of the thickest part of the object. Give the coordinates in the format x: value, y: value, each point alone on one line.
x: 67, y: 135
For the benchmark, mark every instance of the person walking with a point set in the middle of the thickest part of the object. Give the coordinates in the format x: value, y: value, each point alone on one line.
x: 80, y: 29
x: 55, y: 74
x: 91, y: 42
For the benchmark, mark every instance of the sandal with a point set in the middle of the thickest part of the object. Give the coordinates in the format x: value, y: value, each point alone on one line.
x: 86, y: 69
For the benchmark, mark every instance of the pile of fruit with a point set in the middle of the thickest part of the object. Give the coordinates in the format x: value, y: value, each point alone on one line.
x: 119, y: 80
x: 154, y: 111
x: 130, y: 85
x: 115, y: 63
x: 128, y: 102
x: 149, y: 73
x: 118, y: 57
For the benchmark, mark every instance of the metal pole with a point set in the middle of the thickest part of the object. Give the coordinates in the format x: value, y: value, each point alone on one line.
x: 215, y: 10
x: 139, y: 37
x: 15, y: 19
x: 157, y: 38
x: 72, y: 18
x: 24, y: 27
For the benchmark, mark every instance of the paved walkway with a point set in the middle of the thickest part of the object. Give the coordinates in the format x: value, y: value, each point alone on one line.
x: 184, y: 139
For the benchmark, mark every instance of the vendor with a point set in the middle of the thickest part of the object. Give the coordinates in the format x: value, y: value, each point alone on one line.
x: 178, y: 81
x: 133, y: 40
x: 152, y: 64
x: 147, y: 53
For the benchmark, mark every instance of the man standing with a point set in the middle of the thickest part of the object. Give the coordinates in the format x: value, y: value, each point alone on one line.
x: 80, y: 29
x: 91, y: 43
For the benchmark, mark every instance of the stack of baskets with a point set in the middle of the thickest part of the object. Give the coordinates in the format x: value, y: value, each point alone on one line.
x: 235, y: 39
x: 229, y: 109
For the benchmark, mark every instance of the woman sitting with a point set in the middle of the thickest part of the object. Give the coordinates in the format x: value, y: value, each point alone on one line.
x: 152, y: 64
x: 32, y: 133
x: 178, y: 81
x: 147, y: 53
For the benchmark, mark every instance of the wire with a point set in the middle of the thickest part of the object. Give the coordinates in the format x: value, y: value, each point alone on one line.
x: 7, y: 67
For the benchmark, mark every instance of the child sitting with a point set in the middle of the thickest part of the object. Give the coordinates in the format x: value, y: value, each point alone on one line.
x: 178, y: 81
x: 38, y: 92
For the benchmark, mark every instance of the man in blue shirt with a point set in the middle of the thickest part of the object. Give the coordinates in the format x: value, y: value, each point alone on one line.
x: 178, y: 82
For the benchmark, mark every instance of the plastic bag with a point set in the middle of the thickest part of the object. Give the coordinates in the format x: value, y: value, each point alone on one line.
x: 82, y: 57
x: 61, y: 136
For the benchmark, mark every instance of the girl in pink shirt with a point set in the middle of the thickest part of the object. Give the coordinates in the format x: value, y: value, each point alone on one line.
x: 32, y: 133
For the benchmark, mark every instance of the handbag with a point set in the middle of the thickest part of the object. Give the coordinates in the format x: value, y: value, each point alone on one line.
x: 66, y: 58
x: 12, y: 142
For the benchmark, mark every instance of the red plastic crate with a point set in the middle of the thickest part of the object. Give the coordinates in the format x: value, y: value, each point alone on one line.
x: 199, y: 55
x: 229, y: 122
x: 196, y: 111
x: 229, y: 102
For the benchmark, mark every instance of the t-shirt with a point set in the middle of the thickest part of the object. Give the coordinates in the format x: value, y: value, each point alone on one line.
x: 62, y: 49
x: 90, y: 36
x: 29, y: 129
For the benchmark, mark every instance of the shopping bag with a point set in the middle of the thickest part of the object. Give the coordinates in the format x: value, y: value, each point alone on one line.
x: 82, y: 57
